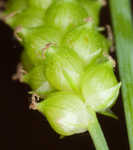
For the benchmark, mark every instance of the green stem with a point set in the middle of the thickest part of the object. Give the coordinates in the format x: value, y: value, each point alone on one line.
x: 123, y: 29
x: 97, y: 135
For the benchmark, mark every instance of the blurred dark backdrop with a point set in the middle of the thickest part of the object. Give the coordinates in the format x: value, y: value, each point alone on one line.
x: 21, y: 128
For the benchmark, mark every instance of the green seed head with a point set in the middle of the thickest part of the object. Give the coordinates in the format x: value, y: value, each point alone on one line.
x: 64, y: 62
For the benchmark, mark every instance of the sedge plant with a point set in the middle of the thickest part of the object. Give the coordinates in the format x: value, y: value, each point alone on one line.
x: 66, y: 62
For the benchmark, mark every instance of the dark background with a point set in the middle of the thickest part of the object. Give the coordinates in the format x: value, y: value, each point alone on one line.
x: 21, y: 128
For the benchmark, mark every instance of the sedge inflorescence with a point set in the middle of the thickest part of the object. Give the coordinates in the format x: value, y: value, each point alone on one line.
x: 65, y: 59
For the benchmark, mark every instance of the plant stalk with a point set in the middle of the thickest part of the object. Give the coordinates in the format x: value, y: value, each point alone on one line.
x: 97, y: 135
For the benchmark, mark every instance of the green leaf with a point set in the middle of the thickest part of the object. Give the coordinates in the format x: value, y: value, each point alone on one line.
x: 123, y: 29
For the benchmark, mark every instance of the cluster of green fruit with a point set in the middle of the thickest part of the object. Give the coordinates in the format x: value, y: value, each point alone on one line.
x: 65, y: 60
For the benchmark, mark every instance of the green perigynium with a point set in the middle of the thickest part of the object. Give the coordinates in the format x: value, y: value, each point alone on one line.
x: 66, y: 113
x: 87, y: 42
x: 37, y: 81
x: 26, y: 62
x: 15, y: 6
x: 99, y: 86
x: 65, y: 62
x: 63, y: 68
x: 27, y: 18
x: 36, y: 41
x: 65, y: 14
x: 93, y: 8
x: 41, y: 4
